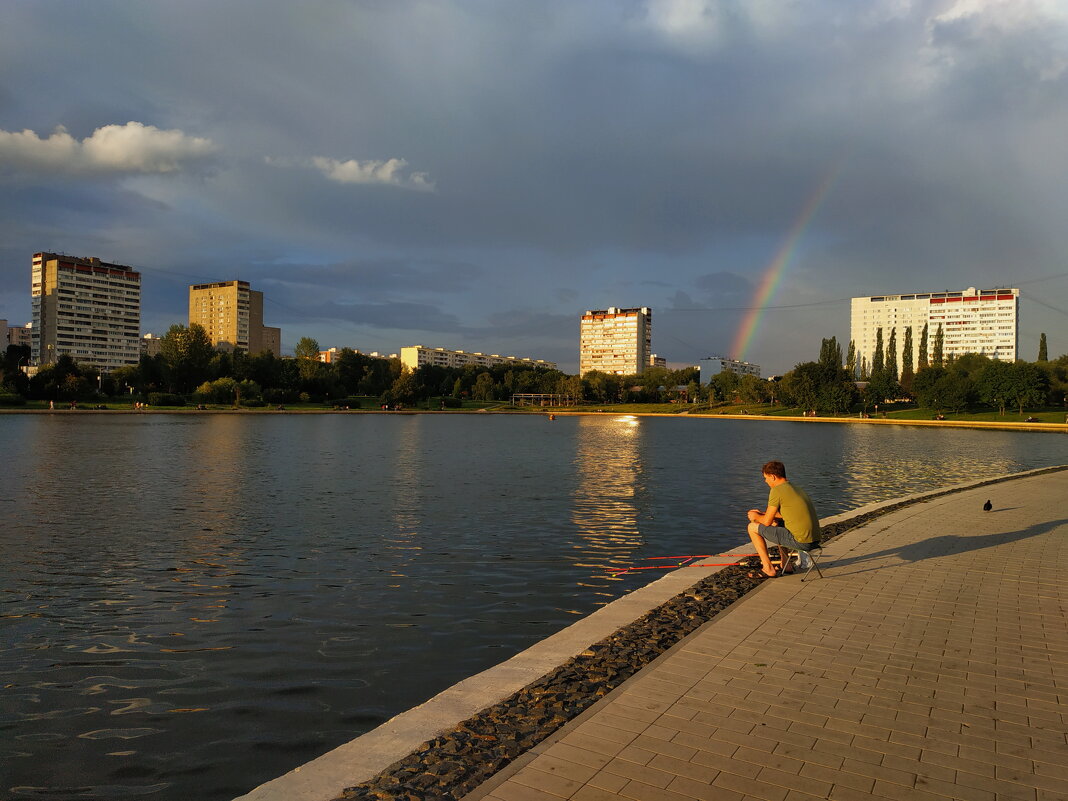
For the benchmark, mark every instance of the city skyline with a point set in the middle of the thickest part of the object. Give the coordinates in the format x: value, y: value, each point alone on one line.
x: 474, y: 176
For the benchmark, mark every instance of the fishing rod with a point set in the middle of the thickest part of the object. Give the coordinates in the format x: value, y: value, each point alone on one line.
x: 686, y: 561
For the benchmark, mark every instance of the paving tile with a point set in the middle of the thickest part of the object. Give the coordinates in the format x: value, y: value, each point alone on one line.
x: 543, y: 781
x: 591, y: 793
x: 701, y: 791
x: 554, y: 765
x: 647, y: 792
x: 514, y: 791
x: 879, y: 772
x: 691, y: 770
x: 795, y: 781
x: 639, y: 772
x: 838, y: 777
x: 608, y: 782
x: 750, y: 787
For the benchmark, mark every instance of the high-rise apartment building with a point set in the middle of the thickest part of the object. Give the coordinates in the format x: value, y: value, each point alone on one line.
x: 974, y: 320
x: 615, y: 340
x: 84, y: 308
x: 232, y: 314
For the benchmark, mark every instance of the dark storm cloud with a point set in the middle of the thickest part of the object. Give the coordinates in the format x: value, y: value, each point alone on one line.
x: 544, y: 157
x: 417, y: 317
x: 374, y: 278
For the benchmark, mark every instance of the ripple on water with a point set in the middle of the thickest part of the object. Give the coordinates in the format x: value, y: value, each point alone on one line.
x: 246, y: 593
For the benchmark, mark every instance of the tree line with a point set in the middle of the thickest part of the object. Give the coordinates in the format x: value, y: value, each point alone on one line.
x: 941, y: 383
x: 189, y: 369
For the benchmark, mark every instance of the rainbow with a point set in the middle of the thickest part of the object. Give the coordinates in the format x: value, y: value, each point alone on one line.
x: 775, y: 269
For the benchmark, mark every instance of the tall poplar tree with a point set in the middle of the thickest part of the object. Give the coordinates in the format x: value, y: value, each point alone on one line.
x: 1043, y: 354
x: 877, y: 355
x: 851, y: 360
x: 923, y: 361
x: 906, y: 360
x: 936, y: 351
x: 891, y: 354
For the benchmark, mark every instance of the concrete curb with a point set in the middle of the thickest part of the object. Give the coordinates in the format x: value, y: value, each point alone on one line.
x: 359, y: 760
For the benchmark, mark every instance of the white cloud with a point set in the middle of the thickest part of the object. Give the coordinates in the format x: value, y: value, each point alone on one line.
x: 1031, y: 34
x: 713, y: 23
x: 112, y: 149
x: 389, y: 172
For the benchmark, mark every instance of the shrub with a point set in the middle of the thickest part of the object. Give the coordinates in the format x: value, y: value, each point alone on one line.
x: 165, y: 399
x: 11, y: 399
x: 253, y: 403
x: 276, y: 396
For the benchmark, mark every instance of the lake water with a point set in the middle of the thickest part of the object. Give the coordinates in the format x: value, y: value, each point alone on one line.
x: 191, y: 605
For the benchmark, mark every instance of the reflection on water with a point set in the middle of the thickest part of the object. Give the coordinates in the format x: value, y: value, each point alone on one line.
x: 192, y: 605
x: 608, y: 483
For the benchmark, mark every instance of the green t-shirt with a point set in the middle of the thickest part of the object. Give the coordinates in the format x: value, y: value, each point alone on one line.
x: 798, y: 514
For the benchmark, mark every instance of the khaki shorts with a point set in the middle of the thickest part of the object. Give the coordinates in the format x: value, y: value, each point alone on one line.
x: 781, y: 536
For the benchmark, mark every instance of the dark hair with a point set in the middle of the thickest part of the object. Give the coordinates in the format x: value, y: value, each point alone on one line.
x: 777, y: 469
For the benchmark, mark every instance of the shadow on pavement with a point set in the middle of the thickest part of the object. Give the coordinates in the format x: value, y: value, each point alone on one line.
x: 946, y: 545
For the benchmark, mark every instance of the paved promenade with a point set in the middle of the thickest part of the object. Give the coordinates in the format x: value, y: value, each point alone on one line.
x: 931, y: 662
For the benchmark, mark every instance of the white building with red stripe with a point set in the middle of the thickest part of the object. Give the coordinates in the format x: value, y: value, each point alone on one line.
x: 974, y: 320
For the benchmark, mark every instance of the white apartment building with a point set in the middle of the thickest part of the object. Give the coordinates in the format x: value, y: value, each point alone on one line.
x: 721, y: 364
x: 974, y: 320
x: 614, y: 340
x: 85, y: 308
x: 415, y: 356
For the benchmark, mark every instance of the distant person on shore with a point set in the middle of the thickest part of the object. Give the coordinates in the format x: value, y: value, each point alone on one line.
x: 790, y: 520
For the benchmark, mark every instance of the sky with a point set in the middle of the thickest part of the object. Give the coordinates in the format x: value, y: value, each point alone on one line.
x: 474, y: 174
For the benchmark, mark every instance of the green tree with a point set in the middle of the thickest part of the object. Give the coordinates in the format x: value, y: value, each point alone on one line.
x: 1029, y: 385
x: 851, y: 360
x: 16, y: 357
x: 906, y: 361
x: 881, y: 387
x: 924, y: 387
x: 936, y: 350
x: 940, y: 389
x: 307, y: 353
x: 996, y: 385
x: 725, y: 385
x: 484, y: 387
x: 830, y: 353
x: 1043, y: 354
x: 877, y: 357
x: 801, y: 386
x: 970, y: 364
x: 187, y: 355
x: 891, y: 354
x: 404, y: 389
x: 752, y: 390
x: 923, y: 361
x: 221, y: 390
x: 601, y: 386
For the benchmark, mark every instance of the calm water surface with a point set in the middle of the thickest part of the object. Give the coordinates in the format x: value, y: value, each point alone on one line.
x: 192, y: 605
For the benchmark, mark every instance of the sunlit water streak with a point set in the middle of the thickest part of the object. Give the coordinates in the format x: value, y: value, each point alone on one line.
x: 191, y: 605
